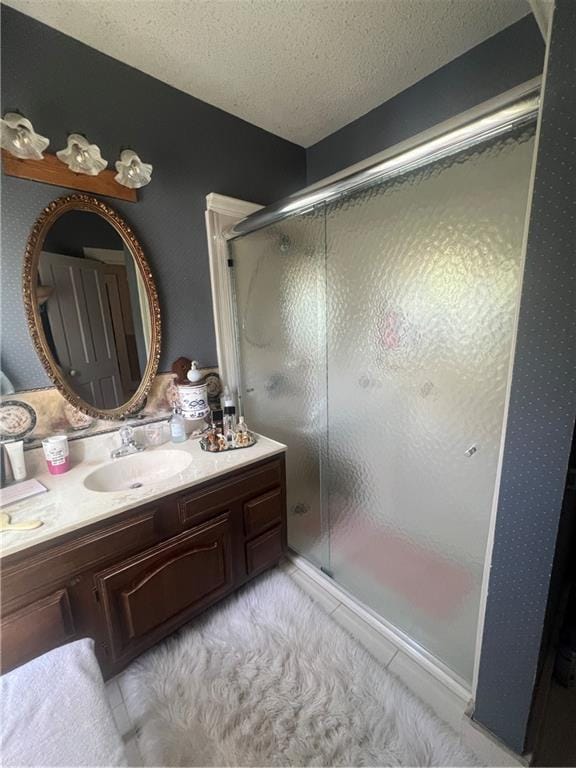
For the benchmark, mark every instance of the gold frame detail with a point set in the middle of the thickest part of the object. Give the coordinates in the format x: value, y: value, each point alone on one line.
x: 52, y: 212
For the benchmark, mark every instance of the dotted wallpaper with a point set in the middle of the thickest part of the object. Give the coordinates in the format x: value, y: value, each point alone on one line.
x: 542, y: 411
x: 195, y: 149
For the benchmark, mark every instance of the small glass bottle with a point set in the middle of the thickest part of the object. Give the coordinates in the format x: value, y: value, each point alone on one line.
x: 211, y: 440
x: 217, y: 421
x: 242, y: 434
x: 177, y: 426
x: 229, y: 423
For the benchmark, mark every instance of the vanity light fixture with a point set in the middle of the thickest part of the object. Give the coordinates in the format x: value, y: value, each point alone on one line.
x: 81, y: 156
x: 132, y: 172
x: 17, y: 136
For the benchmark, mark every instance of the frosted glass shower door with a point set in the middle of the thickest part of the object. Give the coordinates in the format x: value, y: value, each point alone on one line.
x: 279, y: 281
x: 422, y: 284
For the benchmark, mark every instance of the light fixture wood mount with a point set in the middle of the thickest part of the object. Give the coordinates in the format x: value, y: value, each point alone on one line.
x: 51, y: 171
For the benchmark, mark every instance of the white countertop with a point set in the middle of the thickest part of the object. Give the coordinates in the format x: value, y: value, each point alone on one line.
x: 69, y: 505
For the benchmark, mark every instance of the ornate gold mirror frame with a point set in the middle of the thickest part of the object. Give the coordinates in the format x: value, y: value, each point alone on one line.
x: 52, y: 212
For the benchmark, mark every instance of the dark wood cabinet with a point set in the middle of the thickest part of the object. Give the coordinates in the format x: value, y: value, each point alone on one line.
x: 264, y: 550
x: 44, y: 623
x: 133, y: 579
x: 263, y: 512
x: 155, y: 591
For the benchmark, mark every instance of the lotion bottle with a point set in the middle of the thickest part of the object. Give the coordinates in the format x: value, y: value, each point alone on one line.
x: 15, y: 452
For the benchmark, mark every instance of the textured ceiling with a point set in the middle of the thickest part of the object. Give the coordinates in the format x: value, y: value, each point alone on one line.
x: 298, y: 68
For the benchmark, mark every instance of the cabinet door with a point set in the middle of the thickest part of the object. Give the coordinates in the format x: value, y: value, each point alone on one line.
x: 264, y: 551
x: 147, y: 596
x: 36, y: 628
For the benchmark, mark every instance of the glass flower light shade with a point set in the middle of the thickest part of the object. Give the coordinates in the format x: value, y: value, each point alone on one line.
x: 81, y: 156
x: 17, y: 136
x: 132, y: 172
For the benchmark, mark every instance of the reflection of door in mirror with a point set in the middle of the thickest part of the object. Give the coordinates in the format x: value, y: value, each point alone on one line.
x: 130, y: 314
x: 94, y: 309
x: 79, y: 327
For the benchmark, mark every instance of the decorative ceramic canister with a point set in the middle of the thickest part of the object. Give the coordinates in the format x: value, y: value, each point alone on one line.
x: 194, y: 396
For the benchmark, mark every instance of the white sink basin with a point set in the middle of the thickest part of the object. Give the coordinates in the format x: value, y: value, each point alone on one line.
x: 137, y: 470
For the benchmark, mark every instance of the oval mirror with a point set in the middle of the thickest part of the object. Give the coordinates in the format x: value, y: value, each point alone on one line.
x: 92, y: 306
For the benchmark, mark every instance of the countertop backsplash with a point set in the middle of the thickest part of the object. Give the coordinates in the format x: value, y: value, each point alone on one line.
x: 54, y: 415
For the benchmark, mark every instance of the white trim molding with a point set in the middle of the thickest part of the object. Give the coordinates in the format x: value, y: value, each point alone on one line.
x: 543, y: 11
x: 230, y: 206
x: 222, y: 213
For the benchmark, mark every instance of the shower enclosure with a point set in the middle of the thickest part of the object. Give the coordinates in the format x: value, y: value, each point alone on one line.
x: 374, y: 338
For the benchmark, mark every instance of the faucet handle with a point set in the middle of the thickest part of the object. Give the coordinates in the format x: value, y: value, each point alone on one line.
x: 126, y: 435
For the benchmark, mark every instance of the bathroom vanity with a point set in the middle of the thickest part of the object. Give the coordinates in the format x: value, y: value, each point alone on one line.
x: 127, y: 568
x: 129, y: 548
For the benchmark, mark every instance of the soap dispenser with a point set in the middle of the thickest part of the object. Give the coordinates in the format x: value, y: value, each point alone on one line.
x: 177, y: 427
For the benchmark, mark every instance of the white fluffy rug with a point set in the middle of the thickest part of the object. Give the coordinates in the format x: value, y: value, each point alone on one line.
x: 269, y: 679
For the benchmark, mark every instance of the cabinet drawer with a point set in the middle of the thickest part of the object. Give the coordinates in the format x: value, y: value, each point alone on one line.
x: 62, y: 561
x: 36, y: 628
x: 264, y: 551
x: 149, y: 595
x: 197, y: 505
x: 262, y: 512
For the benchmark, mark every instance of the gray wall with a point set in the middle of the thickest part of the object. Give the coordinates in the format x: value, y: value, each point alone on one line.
x: 64, y: 86
x: 541, y: 416
x: 511, y: 57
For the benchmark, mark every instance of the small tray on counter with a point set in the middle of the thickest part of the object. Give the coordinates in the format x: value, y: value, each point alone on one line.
x: 222, y: 446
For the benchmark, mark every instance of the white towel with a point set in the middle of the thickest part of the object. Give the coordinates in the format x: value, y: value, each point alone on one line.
x: 55, y: 712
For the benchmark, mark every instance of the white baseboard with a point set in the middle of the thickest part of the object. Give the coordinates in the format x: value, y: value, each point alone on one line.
x: 447, y: 696
x: 402, y: 642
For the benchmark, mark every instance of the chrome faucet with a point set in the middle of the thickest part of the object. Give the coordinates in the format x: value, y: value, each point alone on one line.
x: 128, y: 445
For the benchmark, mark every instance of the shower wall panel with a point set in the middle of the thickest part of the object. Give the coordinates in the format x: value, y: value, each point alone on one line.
x: 279, y: 278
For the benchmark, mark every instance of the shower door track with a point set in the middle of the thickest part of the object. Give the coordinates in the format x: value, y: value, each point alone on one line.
x: 496, y: 117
